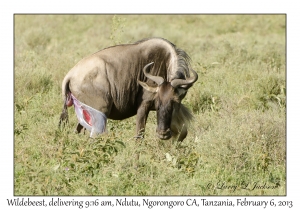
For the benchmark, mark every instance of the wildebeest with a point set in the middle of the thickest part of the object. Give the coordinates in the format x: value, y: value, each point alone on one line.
x: 132, y: 79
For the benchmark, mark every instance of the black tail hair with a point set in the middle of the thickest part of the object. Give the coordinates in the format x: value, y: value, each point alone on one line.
x: 64, y: 116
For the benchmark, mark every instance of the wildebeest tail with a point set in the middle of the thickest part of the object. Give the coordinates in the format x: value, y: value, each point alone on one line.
x: 64, y: 117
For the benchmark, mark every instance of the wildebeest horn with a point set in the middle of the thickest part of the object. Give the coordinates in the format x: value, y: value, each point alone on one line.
x: 159, y: 80
x: 189, y: 81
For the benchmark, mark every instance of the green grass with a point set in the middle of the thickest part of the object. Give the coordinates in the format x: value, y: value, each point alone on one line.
x: 239, y: 103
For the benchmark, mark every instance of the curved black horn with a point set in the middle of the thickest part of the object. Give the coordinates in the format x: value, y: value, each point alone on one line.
x: 157, y: 79
x: 189, y: 81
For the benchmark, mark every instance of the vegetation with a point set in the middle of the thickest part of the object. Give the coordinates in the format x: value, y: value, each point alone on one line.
x: 238, y: 137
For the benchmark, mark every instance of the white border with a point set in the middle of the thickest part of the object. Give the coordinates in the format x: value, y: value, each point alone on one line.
x: 9, y: 8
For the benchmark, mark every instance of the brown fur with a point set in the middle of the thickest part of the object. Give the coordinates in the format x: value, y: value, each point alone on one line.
x: 108, y: 81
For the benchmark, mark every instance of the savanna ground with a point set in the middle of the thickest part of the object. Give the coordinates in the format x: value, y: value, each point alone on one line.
x: 238, y: 136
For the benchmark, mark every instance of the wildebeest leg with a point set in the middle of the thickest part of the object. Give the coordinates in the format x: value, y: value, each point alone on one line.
x: 141, y: 119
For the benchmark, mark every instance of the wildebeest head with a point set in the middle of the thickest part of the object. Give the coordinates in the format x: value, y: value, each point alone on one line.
x: 168, y: 96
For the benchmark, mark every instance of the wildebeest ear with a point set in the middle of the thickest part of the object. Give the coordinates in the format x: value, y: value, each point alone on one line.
x: 147, y: 87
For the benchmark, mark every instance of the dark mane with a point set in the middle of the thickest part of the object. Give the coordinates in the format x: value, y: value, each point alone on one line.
x: 183, y: 62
